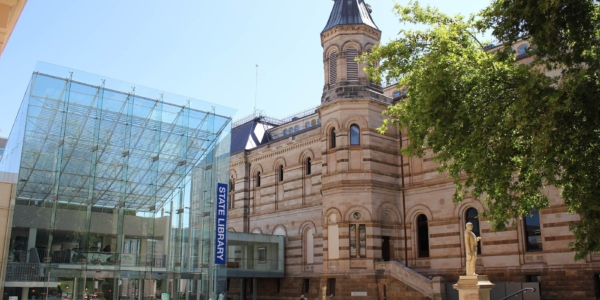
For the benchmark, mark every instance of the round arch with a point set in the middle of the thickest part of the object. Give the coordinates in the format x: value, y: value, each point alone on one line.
x: 307, y: 225
x: 332, y: 48
x: 365, y: 213
x: 280, y: 230
x: 352, y: 43
x: 391, y: 209
x: 332, y: 216
x: 358, y: 120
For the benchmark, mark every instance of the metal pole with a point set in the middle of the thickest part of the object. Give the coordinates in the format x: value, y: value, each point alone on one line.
x: 48, y: 285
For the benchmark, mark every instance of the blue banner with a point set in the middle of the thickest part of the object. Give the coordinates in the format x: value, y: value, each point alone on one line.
x: 221, y: 225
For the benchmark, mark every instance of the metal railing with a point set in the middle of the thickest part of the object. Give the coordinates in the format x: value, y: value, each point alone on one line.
x: 525, y: 290
x: 18, y: 271
x: 73, y: 256
x: 272, y: 120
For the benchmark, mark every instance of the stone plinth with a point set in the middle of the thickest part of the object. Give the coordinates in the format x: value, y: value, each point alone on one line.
x: 473, y: 287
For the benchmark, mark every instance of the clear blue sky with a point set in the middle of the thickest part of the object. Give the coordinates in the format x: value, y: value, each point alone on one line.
x: 205, y: 50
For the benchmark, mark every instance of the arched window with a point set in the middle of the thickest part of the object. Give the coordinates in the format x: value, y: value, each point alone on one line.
x: 354, y: 135
x: 332, y: 138
x: 533, y: 232
x: 291, y: 130
x: 423, y: 236
x: 307, y: 124
x: 308, y: 166
x: 351, y: 64
x: 280, y: 172
x: 257, y: 179
x: 285, y: 132
x: 332, y: 68
x: 297, y: 128
x: 522, y: 50
x: 471, y: 216
x: 313, y: 122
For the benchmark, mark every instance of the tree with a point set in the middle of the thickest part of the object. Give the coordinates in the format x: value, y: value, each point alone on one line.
x: 504, y: 131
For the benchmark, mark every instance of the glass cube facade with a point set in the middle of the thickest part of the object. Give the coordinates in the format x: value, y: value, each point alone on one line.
x: 114, y: 191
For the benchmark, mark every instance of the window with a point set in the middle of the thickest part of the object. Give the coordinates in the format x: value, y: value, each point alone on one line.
x: 354, y: 135
x: 332, y: 68
x: 332, y: 138
x: 319, y: 121
x: 257, y: 179
x: 522, y: 50
x: 305, y: 285
x: 280, y: 172
x: 308, y: 166
x: 423, y: 236
x: 533, y: 232
x: 307, y: 124
x: 231, y: 197
x: 297, y: 128
x: 359, y: 231
x: 351, y: 64
x: 313, y: 123
x: 471, y: 216
x: 330, y: 287
x: 285, y: 132
x: 291, y: 130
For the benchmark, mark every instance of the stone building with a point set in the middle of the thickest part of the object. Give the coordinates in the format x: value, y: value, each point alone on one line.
x: 362, y: 220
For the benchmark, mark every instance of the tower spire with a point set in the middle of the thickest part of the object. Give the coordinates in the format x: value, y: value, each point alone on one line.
x: 347, y: 12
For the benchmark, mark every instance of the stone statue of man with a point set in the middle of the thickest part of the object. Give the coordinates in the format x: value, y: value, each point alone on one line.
x: 471, y: 248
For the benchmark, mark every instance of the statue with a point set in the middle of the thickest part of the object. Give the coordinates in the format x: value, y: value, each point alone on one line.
x: 471, y: 248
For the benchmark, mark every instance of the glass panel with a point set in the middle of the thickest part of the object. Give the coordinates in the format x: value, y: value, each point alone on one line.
x: 352, y: 240
x: 533, y: 232
x: 354, y: 135
x: 362, y: 234
x: 119, y: 191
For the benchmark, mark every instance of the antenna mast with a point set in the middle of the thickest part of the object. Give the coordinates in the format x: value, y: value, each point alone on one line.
x: 256, y: 90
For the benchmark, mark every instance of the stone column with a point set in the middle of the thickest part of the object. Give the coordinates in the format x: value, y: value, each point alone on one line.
x: 473, y: 287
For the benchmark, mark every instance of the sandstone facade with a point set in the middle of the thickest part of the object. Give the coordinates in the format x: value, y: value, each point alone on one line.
x: 345, y: 206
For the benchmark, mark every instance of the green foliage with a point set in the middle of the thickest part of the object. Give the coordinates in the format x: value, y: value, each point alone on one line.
x: 504, y: 131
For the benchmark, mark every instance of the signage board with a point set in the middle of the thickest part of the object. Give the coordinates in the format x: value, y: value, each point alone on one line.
x: 358, y: 294
x: 128, y: 259
x: 221, y: 225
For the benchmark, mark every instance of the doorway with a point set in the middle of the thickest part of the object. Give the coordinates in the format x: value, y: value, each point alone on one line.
x: 385, y: 248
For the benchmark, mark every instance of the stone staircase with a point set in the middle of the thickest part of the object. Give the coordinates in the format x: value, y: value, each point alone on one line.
x: 431, y: 288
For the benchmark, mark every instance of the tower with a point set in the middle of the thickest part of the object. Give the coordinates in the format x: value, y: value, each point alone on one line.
x: 349, y: 32
x: 359, y: 166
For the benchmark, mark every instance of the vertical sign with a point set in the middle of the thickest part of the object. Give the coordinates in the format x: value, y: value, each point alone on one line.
x: 221, y: 225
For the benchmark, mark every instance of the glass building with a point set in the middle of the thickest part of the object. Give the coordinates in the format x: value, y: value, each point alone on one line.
x: 113, y: 191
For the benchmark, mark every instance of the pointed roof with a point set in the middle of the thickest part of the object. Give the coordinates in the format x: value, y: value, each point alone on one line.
x: 350, y: 12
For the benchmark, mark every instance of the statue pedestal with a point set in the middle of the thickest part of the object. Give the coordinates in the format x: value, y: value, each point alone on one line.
x: 473, y: 287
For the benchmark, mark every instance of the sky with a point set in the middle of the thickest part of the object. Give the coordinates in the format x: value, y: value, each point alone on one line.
x: 206, y: 50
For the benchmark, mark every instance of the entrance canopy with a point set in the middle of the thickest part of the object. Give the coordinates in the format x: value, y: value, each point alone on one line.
x: 110, y: 145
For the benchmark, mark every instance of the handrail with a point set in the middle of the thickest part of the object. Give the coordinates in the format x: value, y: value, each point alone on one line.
x: 524, y: 290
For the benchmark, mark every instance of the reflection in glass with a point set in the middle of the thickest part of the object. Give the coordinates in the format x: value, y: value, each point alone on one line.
x: 352, y: 240
x: 533, y: 232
